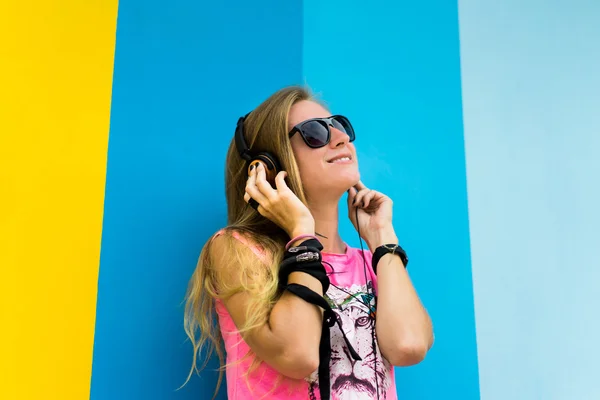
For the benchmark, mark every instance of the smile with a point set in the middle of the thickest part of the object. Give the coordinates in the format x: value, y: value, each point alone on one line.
x: 341, y: 160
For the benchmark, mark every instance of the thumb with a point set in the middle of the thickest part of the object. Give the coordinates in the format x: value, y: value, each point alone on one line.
x: 280, y: 181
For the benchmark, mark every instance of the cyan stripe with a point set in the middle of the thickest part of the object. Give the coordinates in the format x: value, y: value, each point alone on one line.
x: 394, y: 70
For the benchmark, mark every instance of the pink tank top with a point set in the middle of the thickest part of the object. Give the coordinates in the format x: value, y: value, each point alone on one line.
x: 350, y: 298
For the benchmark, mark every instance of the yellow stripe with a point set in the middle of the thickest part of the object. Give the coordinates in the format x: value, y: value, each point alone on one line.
x: 56, y: 62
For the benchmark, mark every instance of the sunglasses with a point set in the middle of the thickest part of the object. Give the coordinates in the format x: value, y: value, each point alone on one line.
x: 316, y: 132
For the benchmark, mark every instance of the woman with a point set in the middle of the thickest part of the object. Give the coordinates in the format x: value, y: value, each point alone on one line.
x: 299, y: 313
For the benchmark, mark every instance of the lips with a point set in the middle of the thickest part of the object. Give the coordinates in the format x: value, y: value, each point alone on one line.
x: 341, y: 158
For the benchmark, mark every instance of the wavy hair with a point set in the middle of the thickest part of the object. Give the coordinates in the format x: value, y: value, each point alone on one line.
x: 265, y: 129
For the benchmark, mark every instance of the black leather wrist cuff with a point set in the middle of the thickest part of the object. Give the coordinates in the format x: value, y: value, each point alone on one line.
x: 385, y: 249
x: 304, y: 258
x: 312, y: 243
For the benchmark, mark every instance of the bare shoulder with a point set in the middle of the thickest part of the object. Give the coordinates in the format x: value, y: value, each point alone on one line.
x: 232, y: 251
x: 229, y: 240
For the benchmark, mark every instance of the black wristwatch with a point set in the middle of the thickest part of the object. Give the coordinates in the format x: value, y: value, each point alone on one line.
x: 388, y: 248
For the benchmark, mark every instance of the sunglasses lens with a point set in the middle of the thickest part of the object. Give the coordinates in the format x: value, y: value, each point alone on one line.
x: 315, y: 133
x: 342, y: 124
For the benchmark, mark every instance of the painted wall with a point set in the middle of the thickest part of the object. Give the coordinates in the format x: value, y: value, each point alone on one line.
x: 183, y: 74
x: 140, y: 204
x: 532, y: 129
x: 56, y: 63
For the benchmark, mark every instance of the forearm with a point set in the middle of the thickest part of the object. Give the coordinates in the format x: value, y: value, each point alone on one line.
x: 293, y: 331
x: 403, y: 327
x: 296, y: 319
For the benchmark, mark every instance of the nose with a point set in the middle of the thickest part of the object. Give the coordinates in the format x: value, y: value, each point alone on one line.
x: 338, y: 138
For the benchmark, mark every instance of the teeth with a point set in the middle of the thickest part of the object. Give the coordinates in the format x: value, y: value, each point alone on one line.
x: 341, y: 159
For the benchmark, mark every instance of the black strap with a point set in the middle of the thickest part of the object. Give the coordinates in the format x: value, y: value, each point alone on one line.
x: 385, y: 249
x: 313, y: 268
x: 298, y: 259
x: 329, y: 319
x: 314, y: 243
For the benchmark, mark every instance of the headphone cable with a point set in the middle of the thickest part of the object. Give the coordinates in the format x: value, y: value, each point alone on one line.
x: 375, y: 305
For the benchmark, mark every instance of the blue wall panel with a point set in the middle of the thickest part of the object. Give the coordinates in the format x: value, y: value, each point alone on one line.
x: 393, y: 68
x: 184, y: 72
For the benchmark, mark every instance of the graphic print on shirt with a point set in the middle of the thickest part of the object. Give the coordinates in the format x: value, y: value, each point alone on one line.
x: 352, y: 379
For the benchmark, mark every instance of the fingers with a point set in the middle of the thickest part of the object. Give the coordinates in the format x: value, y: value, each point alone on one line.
x: 351, y: 195
x: 360, y: 197
x: 252, y: 191
x: 262, y: 184
x: 360, y: 186
x: 369, y: 197
x: 280, y: 182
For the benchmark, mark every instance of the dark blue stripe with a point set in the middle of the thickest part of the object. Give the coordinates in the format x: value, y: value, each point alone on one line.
x: 184, y: 72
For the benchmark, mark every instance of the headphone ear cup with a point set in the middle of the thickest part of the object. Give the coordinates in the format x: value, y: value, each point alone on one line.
x: 270, y: 160
x: 272, y: 166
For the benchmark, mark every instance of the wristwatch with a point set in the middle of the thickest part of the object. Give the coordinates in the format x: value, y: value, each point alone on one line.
x: 385, y: 249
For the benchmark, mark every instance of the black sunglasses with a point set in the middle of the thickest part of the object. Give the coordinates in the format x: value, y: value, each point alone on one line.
x: 316, y: 132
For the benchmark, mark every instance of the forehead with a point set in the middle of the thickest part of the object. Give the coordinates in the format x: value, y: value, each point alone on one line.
x: 306, y: 109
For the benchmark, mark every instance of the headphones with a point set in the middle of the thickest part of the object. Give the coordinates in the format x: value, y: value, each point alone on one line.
x: 269, y: 161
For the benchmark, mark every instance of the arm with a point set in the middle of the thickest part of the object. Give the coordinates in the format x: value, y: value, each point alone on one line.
x: 404, y: 329
x: 288, y: 340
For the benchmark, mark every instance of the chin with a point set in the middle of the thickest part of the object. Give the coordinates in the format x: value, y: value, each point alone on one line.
x: 352, y: 179
x: 346, y: 181
x: 340, y: 182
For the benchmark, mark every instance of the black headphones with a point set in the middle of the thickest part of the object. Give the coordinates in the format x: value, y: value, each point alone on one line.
x: 270, y: 162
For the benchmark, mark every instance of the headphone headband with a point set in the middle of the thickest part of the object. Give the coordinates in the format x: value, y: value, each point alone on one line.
x: 240, y: 141
x: 270, y: 162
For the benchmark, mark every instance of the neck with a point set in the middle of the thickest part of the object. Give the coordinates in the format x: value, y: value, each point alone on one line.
x: 326, y: 226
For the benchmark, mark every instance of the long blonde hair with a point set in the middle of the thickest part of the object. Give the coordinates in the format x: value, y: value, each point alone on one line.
x: 265, y: 129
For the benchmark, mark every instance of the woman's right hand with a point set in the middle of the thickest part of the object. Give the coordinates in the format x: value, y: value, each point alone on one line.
x: 279, y: 205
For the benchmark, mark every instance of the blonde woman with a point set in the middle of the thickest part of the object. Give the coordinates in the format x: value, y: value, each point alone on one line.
x: 292, y: 311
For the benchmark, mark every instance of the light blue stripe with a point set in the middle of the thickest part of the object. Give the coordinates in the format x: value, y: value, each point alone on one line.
x: 531, y: 87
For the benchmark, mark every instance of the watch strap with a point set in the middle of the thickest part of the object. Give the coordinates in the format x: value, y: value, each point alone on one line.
x: 385, y: 249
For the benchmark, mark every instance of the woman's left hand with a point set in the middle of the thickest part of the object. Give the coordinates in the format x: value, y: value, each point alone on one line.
x: 374, y: 214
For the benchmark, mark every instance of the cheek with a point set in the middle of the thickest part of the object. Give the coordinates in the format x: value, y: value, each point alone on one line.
x: 309, y: 169
x: 309, y: 161
x: 312, y: 177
